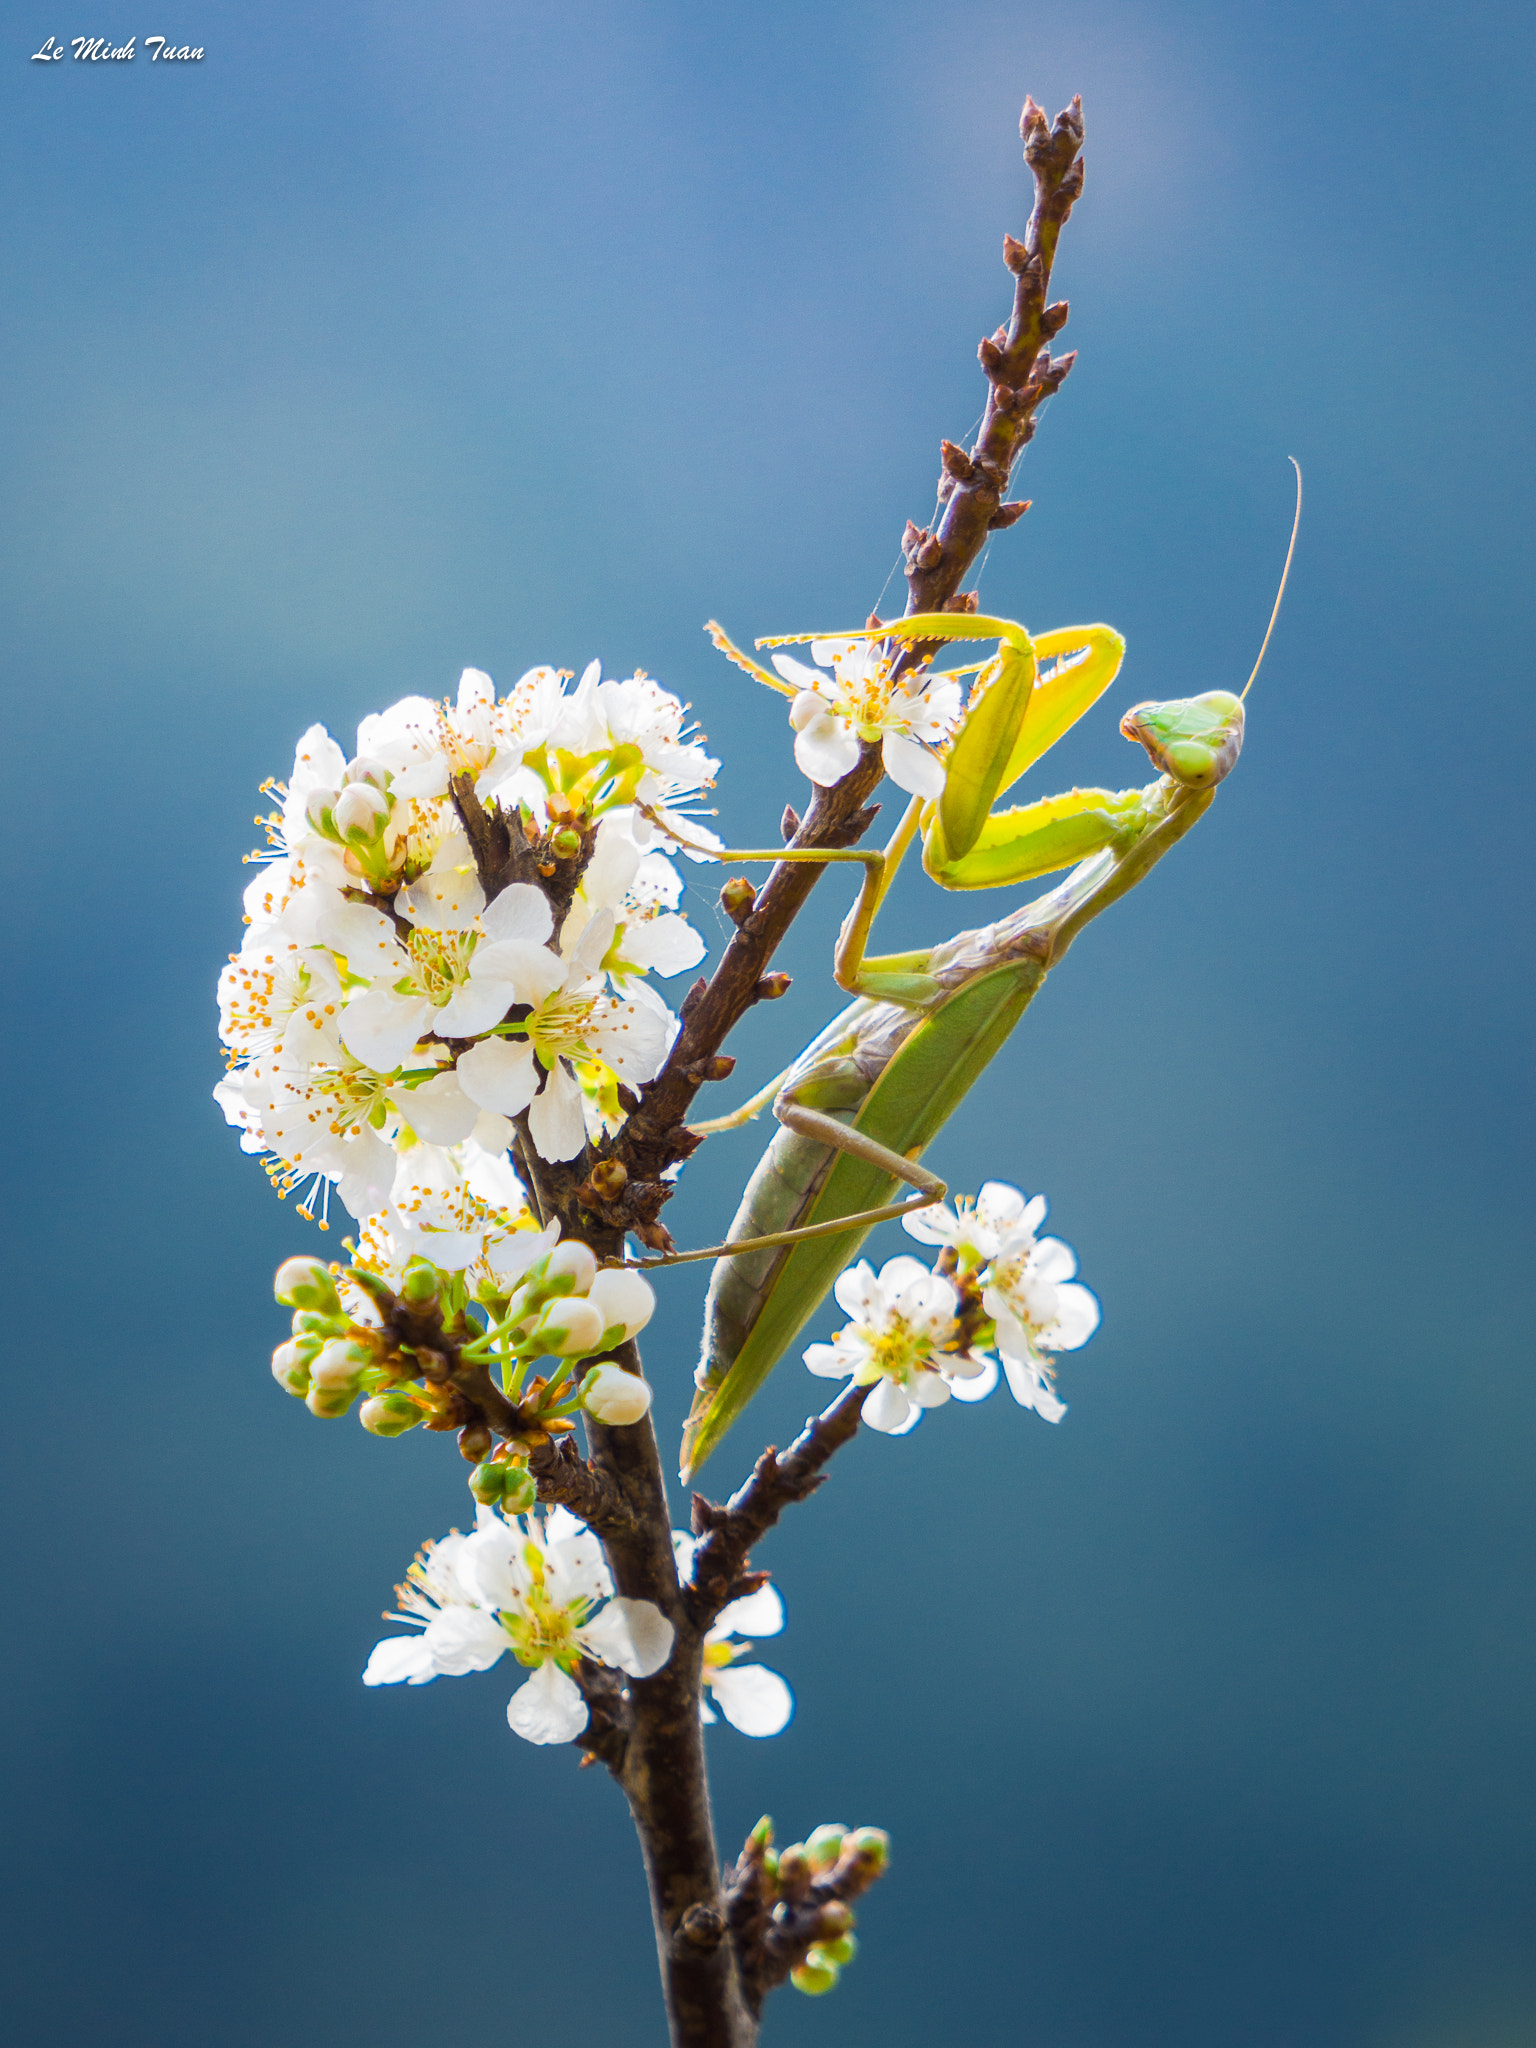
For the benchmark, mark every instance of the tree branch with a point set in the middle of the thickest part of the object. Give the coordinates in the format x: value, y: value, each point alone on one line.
x: 1019, y: 368
x: 778, y: 1479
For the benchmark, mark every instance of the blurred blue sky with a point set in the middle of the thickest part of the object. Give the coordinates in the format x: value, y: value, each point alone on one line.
x: 387, y: 340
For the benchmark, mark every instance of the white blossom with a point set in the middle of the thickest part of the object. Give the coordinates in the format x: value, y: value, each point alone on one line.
x: 1039, y: 1309
x: 750, y: 1696
x: 540, y: 1590
x: 904, y: 1317
x: 977, y: 1230
x: 861, y: 702
x: 452, y: 984
x: 572, y: 1019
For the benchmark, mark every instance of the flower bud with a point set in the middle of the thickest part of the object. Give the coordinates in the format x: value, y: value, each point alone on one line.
x: 841, y: 1951
x: 518, y: 1491
x: 566, y: 843
x: 612, y: 1395
x: 318, y: 806
x: 419, y: 1287
x: 290, y: 1367
x: 485, y: 1483
x: 389, y: 1414
x: 825, y: 1845
x: 340, y: 1363
x: 359, y: 812
x: 308, y: 1322
x: 806, y: 705
x: 575, y: 1260
x: 306, y: 1283
x: 625, y: 1301
x: 815, y: 1975
x: 872, y: 1846
x: 570, y: 1327
x: 794, y: 1869
x: 365, y: 769
x: 329, y: 1402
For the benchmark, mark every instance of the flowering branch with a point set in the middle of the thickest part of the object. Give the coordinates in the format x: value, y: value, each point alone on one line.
x: 442, y: 1014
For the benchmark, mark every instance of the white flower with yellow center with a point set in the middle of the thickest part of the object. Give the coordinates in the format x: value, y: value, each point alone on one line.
x: 572, y: 1018
x: 643, y: 891
x: 269, y: 982
x: 319, y: 1112
x: 750, y: 1696
x: 462, y: 1207
x: 976, y: 1230
x: 904, y: 1316
x: 862, y: 703
x: 540, y: 1590
x: 1039, y: 1309
x: 452, y: 984
x: 637, y: 728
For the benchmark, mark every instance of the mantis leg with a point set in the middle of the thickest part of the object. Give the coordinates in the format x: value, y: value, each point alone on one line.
x: 821, y: 1129
x: 897, y: 979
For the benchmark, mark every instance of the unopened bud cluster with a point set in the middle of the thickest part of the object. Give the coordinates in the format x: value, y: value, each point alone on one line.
x: 816, y: 1878
x: 563, y: 1307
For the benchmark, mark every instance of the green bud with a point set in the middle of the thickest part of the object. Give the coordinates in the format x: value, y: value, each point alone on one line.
x: 290, y: 1367
x: 841, y: 1951
x: 518, y: 1492
x: 566, y: 843
x: 872, y: 1846
x: 341, y: 1363
x: 826, y: 1845
x: 310, y: 1322
x: 306, y: 1283
x: 389, y: 1414
x: 486, y: 1484
x: 762, y: 1834
x: 794, y: 1868
x: 815, y: 1975
x: 329, y: 1402
x: 419, y: 1287
x: 835, y: 1918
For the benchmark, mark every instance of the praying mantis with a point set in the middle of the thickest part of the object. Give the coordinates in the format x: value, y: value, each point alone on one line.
x: 871, y: 1091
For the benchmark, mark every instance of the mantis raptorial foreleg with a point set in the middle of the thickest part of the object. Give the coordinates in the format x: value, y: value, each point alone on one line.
x: 833, y: 1082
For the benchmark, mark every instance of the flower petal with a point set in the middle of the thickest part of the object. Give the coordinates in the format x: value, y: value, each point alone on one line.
x: 912, y: 767
x: 549, y: 1708
x: 978, y: 1385
x: 826, y: 750
x: 887, y: 1407
x: 500, y: 1074
x: 755, y: 1614
x: 400, y: 1660
x: 753, y: 1699
x: 519, y: 912
x: 555, y: 1119
x: 437, y: 1110
x: 379, y: 1028
x: 633, y: 1634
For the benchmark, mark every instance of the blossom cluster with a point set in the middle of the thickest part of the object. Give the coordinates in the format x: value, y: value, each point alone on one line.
x: 920, y: 1335
x: 540, y: 1589
x: 537, y: 1588
x: 385, y: 1022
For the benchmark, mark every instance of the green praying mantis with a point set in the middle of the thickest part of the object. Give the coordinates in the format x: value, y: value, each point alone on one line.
x: 865, y: 1098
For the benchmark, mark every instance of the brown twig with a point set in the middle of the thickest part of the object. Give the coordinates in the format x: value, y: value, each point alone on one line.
x: 779, y: 1478
x: 1020, y: 371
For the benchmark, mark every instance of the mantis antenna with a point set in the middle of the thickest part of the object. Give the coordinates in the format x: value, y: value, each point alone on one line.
x: 1284, y: 574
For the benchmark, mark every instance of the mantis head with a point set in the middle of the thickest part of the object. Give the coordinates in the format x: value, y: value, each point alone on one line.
x: 1196, y: 740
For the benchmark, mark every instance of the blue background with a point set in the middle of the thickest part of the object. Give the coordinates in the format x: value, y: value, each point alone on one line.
x: 387, y: 340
